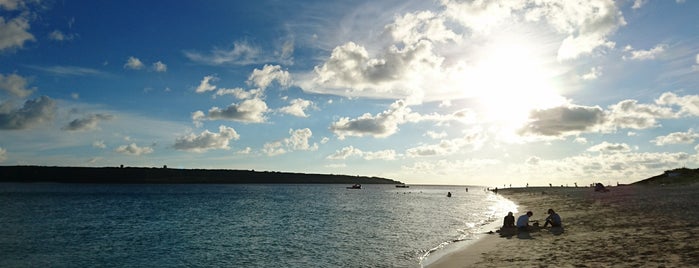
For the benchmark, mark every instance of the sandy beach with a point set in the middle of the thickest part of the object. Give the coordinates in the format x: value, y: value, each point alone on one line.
x: 629, y: 226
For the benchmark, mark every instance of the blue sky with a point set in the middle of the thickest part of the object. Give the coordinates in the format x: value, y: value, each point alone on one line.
x: 430, y: 92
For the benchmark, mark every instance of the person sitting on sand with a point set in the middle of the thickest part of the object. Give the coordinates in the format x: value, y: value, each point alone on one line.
x: 554, y: 219
x: 523, y: 221
x: 509, y: 221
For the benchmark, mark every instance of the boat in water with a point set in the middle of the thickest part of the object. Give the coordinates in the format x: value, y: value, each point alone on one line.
x: 402, y: 185
x: 356, y: 186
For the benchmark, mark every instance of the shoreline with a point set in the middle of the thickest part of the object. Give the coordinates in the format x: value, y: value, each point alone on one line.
x: 629, y: 226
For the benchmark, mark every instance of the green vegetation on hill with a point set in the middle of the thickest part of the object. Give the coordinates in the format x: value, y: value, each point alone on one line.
x: 675, y: 176
x: 168, y: 175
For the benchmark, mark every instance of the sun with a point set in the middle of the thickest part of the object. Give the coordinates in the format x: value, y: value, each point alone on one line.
x: 510, y: 77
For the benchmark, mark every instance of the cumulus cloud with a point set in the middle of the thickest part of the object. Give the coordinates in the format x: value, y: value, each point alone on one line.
x: 133, y: 63
x: 351, y: 71
x: 133, y: 149
x: 676, y: 138
x: 87, y: 123
x: 15, y: 85
x: 413, y: 27
x: 298, y: 141
x: 382, y: 125
x: 564, y: 120
x: 297, y: 107
x: 631, y: 114
x: 627, y: 114
x: 595, y: 72
x: 248, y: 111
x: 644, y: 54
x: 14, y: 33
x: 239, y: 93
x: 160, y: 67
x: 207, y: 140
x: 689, y: 105
x: 606, y: 147
x: 638, y: 4
x: 350, y: 151
x: 586, y: 24
x: 269, y: 73
x: 34, y: 112
x: 205, y: 84
x: 448, y: 146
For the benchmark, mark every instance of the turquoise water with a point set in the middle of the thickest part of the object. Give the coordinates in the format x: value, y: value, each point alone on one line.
x: 84, y: 225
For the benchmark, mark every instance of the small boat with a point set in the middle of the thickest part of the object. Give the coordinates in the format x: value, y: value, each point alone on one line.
x: 356, y: 186
x: 402, y: 185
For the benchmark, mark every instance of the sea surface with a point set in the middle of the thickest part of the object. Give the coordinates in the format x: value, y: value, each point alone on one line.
x: 88, y: 225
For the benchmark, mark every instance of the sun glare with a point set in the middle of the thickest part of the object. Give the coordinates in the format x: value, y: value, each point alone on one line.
x: 511, y: 78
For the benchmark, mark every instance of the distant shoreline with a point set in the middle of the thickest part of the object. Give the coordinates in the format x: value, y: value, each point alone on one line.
x: 164, y: 175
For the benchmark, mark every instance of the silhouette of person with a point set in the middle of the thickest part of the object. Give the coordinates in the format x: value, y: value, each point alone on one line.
x: 554, y: 219
x: 523, y: 222
x: 509, y: 221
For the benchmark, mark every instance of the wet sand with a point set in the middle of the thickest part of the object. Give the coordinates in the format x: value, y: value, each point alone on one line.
x: 629, y: 226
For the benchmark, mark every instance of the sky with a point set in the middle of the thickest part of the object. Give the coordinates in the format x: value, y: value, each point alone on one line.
x: 478, y: 92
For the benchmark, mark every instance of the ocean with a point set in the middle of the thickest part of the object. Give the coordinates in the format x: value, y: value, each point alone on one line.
x: 251, y: 225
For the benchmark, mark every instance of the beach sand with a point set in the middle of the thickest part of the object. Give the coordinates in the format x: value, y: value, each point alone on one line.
x: 629, y: 226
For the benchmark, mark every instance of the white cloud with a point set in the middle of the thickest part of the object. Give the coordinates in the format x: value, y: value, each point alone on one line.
x: 481, y: 16
x: 581, y: 140
x: 397, y: 73
x: 207, y: 140
x: 381, y: 155
x: 448, y: 147
x: 134, y: 63
x: 382, y: 125
x: 297, y: 107
x: 239, y: 93
x: 3, y: 154
x: 57, y: 35
x: 631, y: 114
x: 14, y: 33
x: 205, y: 84
x: 160, y: 67
x: 350, y: 151
x: 436, y: 135
x: 413, y: 27
x: 689, y: 105
x: 246, y: 150
x: 269, y: 73
x: 345, y: 153
x: 606, y: 147
x: 15, y: 85
x: 99, y: 144
x: 248, y: 111
x: 638, y: 4
x: 34, y: 112
x: 242, y: 53
x: 533, y: 160
x: 133, y: 149
x: 645, y: 54
x: 595, y: 72
x: 676, y: 138
x: 87, y: 123
x: 298, y: 141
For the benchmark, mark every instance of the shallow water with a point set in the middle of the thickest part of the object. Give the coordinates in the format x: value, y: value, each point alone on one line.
x: 84, y: 225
